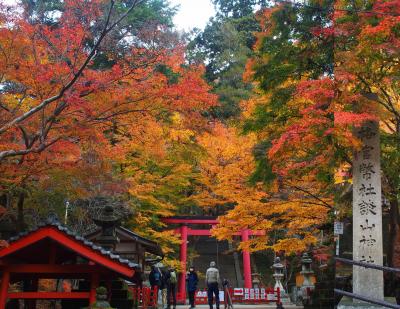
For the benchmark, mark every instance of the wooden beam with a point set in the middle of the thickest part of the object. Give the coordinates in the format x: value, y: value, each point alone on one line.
x: 193, y: 232
x: 189, y: 221
x: 48, y: 295
x: 205, y: 232
x: 54, y: 269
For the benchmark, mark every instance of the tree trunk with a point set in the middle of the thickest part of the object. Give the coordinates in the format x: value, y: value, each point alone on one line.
x: 20, y: 212
x: 394, y: 235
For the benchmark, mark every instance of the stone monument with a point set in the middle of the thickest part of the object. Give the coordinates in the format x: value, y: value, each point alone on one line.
x: 367, y: 213
x: 367, y: 218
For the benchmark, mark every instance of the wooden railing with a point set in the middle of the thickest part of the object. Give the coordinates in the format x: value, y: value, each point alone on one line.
x: 362, y: 297
x: 145, y: 297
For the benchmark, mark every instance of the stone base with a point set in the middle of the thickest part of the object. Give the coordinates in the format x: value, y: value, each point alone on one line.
x: 285, y: 300
x: 348, y: 303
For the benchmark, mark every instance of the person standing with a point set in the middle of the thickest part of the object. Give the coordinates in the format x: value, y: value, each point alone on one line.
x: 192, y: 279
x: 164, y: 287
x: 171, y: 288
x: 212, y: 279
x: 155, y: 278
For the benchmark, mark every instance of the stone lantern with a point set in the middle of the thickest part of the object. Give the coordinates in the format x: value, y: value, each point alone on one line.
x: 101, y: 299
x: 108, y: 221
x: 278, y: 275
x: 306, y: 271
x: 256, y: 280
x: 308, y: 286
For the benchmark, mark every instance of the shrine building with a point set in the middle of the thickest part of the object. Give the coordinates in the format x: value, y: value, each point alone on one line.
x: 52, y: 251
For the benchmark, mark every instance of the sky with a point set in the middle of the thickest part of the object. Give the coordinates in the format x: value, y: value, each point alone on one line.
x: 192, y: 13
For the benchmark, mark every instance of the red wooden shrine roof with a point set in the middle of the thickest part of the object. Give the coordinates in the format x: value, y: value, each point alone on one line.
x: 33, y: 244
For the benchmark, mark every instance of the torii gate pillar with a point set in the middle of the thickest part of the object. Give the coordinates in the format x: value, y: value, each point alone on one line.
x: 246, y: 262
x: 183, y: 258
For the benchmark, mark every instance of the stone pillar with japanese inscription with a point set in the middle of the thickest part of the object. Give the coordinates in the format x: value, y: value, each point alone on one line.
x: 367, y: 213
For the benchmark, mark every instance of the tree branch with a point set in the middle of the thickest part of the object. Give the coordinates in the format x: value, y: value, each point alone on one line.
x: 93, y: 51
x: 40, y: 148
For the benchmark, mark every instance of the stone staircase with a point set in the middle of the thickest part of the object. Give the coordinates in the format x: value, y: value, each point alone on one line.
x: 209, y: 250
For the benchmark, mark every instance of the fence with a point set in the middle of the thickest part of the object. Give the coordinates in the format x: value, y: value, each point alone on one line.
x: 365, y: 298
x: 244, y: 296
x: 145, y: 297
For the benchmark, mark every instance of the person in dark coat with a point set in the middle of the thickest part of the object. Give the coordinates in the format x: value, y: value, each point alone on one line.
x: 192, y: 279
x: 171, y: 287
x: 155, y: 277
x: 164, y: 287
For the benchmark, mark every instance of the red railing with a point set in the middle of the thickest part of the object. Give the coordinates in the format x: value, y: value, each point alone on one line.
x: 145, y: 297
x: 253, y: 296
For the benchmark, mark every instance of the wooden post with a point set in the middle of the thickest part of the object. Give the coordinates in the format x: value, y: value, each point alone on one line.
x: 4, y: 288
x: 94, y: 283
x: 183, y: 257
x: 34, y: 286
x: 246, y: 262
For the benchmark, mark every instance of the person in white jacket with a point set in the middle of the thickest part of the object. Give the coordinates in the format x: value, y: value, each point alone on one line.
x: 212, y: 280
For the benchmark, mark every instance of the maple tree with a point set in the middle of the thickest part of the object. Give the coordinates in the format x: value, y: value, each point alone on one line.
x: 226, y: 179
x: 304, y: 114
x: 367, y: 69
x: 284, y: 119
x: 81, y: 113
x: 47, y: 101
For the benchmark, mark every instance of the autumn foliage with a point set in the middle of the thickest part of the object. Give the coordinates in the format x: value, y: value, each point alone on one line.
x: 91, y: 105
x: 81, y: 119
x: 319, y: 69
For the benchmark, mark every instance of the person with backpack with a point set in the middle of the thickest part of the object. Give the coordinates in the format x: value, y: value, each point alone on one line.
x: 212, y: 280
x: 155, y: 278
x: 192, y: 279
x: 171, y: 288
x: 163, y: 287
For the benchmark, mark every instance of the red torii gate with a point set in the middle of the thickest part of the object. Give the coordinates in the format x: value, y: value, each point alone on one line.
x: 185, y: 231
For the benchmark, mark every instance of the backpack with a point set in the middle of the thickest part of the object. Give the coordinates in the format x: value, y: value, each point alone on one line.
x: 157, y: 277
x: 173, y: 278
